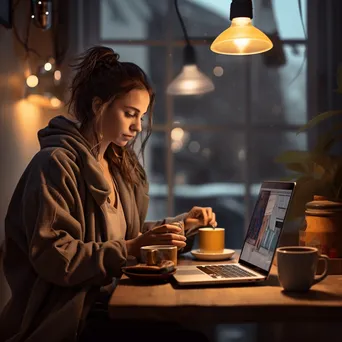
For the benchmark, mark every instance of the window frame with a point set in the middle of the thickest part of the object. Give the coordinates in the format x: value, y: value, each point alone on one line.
x: 89, y: 34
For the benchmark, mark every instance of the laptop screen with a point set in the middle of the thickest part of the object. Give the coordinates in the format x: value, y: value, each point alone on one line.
x: 266, y: 225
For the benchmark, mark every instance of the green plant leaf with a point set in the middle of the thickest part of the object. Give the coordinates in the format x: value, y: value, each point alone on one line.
x: 292, y: 156
x: 328, y: 139
x: 291, y: 178
x: 306, y: 188
x: 301, y: 162
x: 300, y: 168
x: 300, y: 197
x: 319, y: 118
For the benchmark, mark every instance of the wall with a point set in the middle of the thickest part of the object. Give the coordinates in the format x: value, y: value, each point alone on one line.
x: 19, y: 120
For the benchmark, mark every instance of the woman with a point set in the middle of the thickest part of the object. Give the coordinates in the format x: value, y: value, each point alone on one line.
x: 78, y: 211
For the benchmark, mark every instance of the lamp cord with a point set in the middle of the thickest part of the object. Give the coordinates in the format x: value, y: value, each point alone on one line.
x: 301, y: 17
x: 182, y: 23
x: 305, y: 52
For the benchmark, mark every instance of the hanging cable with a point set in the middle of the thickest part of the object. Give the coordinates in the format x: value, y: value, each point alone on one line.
x: 182, y: 23
x: 191, y: 81
x: 305, y: 36
x: 19, y: 39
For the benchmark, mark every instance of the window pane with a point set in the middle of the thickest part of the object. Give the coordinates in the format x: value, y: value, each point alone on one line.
x: 208, y: 18
x: 137, y: 19
x: 204, y: 157
x: 133, y: 19
x: 155, y: 166
x: 152, y: 60
x: 157, y: 209
x: 265, y: 147
x: 227, y: 103
x: 288, y: 19
x: 279, y: 94
x: 209, y: 169
x: 201, y: 18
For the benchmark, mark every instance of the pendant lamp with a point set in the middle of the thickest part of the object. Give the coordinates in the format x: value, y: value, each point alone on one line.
x: 190, y: 81
x: 241, y: 38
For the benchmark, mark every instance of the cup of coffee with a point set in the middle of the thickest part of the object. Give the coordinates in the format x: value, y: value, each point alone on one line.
x: 155, y: 254
x: 297, y: 267
x: 211, y: 240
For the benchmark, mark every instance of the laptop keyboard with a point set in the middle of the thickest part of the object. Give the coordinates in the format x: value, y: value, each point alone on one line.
x: 225, y: 271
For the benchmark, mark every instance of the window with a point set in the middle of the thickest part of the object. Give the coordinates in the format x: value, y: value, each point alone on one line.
x: 215, y: 149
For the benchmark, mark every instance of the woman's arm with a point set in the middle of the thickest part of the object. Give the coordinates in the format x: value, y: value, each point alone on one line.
x: 169, y: 220
x: 55, y: 236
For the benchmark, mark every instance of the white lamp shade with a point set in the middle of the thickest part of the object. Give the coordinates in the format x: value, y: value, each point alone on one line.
x: 191, y: 81
x: 241, y: 38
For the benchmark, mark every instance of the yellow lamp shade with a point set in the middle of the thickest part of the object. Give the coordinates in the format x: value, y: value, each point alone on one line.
x: 241, y: 38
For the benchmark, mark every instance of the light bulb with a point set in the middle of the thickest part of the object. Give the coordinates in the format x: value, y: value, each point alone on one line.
x: 47, y: 66
x: 191, y: 81
x: 241, y: 38
x: 241, y: 43
x: 32, y: 81
x: 57, y: 75
x: 55, y: 103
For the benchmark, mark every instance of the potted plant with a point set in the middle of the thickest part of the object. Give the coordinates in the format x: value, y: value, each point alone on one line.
x: 318, y: 174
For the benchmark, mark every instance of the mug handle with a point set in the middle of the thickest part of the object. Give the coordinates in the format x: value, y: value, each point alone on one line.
x: 325, y: 272
x: 152, y: 257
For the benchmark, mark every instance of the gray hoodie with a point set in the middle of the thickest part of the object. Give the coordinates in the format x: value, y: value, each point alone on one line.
x: 58, y: 248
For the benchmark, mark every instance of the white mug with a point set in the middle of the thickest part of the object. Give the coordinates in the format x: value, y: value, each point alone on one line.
x: 297, y: 267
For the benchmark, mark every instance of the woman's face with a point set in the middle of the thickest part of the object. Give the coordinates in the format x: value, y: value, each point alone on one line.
x: 122, y: 120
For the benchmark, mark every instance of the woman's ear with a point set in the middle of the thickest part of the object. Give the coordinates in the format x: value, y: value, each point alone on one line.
x: 96, y: 105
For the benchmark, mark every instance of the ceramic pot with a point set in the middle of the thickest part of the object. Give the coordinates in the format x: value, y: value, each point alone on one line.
x: 323, y: 226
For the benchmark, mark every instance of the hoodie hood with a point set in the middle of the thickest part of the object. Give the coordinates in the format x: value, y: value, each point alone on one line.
x: 63, y: 133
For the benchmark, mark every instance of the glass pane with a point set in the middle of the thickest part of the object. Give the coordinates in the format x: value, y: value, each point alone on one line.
x: 202, y: 18
x: 157, y: 209
x: 155, y: 167
x: 209, y: 169
x: 152, y: 60
x: 265, y: 147
x: 155, y: 158
x: 227, y: 103
x: 138, y: 19
x: 133, y: 19
x: 287, y: 17
x: 208, y: 18
x: 203, y: 157
x: 279, y: 94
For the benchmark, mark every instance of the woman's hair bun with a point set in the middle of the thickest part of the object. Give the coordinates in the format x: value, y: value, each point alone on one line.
x: 98, y: 56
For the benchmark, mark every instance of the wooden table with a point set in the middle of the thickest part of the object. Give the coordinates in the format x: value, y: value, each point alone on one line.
x: 264, y: 302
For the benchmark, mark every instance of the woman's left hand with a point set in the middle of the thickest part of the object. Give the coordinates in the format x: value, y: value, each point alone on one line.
x: 199, y: 217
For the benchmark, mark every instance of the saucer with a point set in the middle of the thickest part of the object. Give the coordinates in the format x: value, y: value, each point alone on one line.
x: 226, y: 254
x: 149, y: 277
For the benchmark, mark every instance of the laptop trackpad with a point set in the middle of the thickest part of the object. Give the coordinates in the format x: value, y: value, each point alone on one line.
x: 188, y: 271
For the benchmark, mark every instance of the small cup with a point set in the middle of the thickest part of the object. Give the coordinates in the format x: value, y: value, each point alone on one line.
x: 211, y: 240
x: 297, y: 267
x: 154, y: 254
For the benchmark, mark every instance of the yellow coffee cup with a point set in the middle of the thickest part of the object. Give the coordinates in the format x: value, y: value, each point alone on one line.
x: 211, y: 240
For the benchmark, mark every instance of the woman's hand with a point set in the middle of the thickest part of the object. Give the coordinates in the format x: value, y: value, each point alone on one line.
x: 199, y: 217
x: 167, y: 234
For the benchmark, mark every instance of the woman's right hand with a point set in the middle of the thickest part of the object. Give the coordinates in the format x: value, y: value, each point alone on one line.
x: 166, y: 234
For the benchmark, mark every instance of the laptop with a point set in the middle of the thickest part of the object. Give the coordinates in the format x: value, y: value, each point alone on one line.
x: 259, y: 247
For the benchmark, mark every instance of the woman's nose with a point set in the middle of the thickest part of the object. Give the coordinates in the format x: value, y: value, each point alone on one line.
x: 137, y: 126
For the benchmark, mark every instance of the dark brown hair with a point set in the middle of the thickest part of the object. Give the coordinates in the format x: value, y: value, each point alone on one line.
x: 99, y: 73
